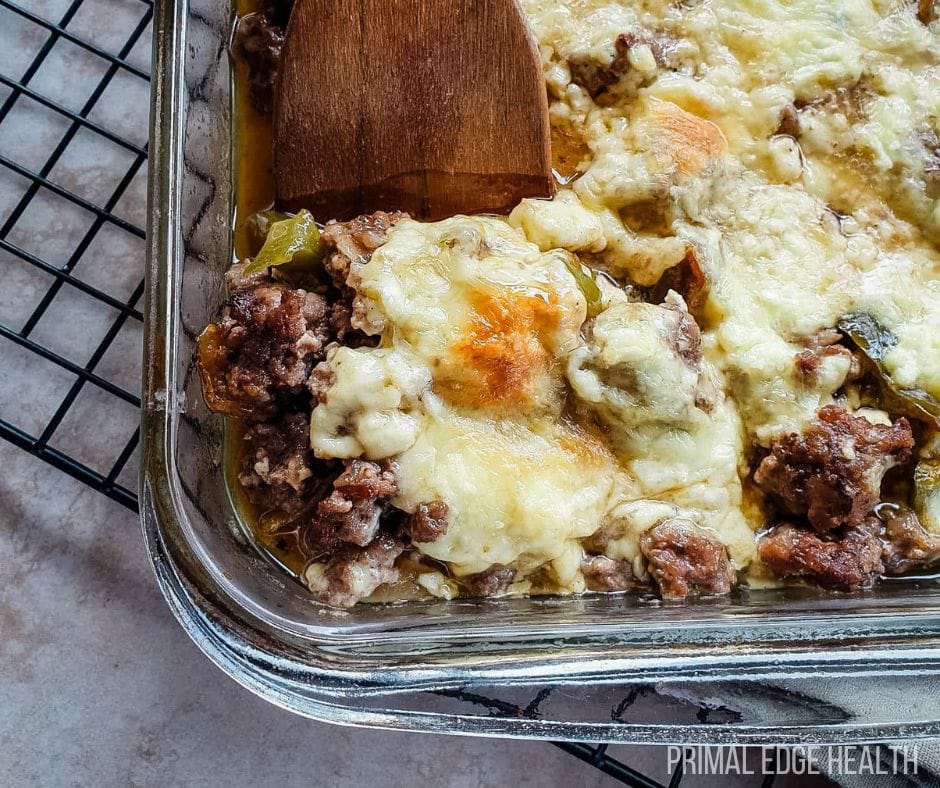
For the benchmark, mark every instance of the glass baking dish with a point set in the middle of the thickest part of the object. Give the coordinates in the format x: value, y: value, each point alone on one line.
x: 548, y: 667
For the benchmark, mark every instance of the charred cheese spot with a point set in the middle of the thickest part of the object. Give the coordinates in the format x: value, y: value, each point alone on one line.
x: 485, y: 310
x: 504, y: 356
x: 681, y: 139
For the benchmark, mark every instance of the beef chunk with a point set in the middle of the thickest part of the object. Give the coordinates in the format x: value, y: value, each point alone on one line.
x: 353, y: 573
x: 850, y: 562
x: 832, y: 471
x: 596, y: 78
x: 354, y: 242
x: 820, y: 346
x: 428, y: 523
x: 494, y: 581
x: 258, y: 41
x: 606, y: 574
x: 892, y: 542
x: 278, y: 468
x: 351, y: 513
x: 789, y: 122
x: 905, y: 543
x: 261, y: 349
x: 685, y: 560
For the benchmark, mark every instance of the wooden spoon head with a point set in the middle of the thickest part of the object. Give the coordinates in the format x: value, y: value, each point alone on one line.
x: 435, y: 107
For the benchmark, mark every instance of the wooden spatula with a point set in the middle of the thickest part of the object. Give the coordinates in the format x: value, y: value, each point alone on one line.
x: 435, y: 107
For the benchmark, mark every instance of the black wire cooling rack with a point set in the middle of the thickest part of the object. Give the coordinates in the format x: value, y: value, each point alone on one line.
x: 34, y: 182
x: 93, y: 215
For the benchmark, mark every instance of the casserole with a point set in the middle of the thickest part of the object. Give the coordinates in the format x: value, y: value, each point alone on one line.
x: 459, y: 666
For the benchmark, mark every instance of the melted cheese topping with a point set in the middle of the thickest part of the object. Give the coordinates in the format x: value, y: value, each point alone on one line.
x: 790, y: 147
x: 518, y: 495
x: 631, y: 371
x: 486, y: 311
x: 466, y: 393
x: 371, y: 409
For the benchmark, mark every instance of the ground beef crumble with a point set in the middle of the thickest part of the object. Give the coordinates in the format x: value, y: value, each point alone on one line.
x: 688, y: 279
x: 261, y: 349
x: 352, y: 512
x: 602, y: 573
x: 353, y: 555
x: 493, y: 582
x: 258, y: 41
x: 823, y: 345
x: 353, y: 573
x: 348, y: 246
x: 905, y: 543
x: 279, y: 471
x: 428, y: 523
x: 353, y: 242
x: 892, y: 542
x: 237, y: 279
x: 596, y: 77
x: 686, y: 338
x: 685, y: 560
x: 832, y: 471
x: 848, y: 563
x: 789, y: 122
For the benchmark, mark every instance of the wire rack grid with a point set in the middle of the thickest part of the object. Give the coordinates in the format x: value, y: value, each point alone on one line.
x: 89, y: 219
x: 93, y: 269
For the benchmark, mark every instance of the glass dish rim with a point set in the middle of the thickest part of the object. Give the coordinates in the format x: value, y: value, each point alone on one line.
x: 332, y: 662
